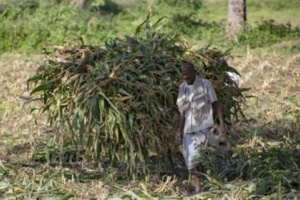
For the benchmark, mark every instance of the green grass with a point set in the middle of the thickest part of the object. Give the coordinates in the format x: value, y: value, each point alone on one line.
x: 28, y: 26
x: 280, y: 11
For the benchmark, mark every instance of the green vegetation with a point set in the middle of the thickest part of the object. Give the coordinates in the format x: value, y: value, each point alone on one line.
x: 262, y: 170
x: 108, y: 97
x: 31, y: 25
x: 269, y: 32
x: 39, y: 161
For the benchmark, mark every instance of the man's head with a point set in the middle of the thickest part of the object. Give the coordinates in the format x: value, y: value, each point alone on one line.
x: 188, y: 72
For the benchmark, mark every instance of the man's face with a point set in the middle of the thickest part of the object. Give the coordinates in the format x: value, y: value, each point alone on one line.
x: 188, y: 73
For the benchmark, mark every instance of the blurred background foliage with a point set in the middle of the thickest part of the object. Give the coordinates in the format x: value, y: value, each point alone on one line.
x: 30, y: 25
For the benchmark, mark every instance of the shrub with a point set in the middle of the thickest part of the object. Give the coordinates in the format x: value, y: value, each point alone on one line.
x: 194, y: 28
x: 268, y: 32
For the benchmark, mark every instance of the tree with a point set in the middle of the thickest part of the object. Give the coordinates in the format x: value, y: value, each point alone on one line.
x: 81, y: 3
x: 236, y: 17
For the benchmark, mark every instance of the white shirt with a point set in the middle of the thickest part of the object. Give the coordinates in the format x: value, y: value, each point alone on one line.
x: 196, y: 102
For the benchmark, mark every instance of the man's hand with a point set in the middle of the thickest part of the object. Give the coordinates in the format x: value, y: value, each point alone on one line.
x: 179, y: 137
x: 218, y: 109
x: 223, y: 128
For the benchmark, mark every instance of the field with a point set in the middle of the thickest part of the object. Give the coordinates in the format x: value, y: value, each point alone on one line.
x: 266, y: 157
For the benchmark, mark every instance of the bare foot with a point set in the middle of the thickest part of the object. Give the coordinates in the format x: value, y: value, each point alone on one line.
x: 197, y: 183
x: 195, y: 192
x: 198, y: 189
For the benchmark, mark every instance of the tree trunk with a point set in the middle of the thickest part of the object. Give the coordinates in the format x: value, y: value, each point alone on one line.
x: 81, y: 3
x: 236, y: 17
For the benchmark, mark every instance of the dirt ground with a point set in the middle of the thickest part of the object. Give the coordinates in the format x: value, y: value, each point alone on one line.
x: 274, y: 107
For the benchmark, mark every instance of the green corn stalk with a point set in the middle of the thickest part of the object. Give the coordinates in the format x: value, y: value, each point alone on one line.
x: 118, y: 101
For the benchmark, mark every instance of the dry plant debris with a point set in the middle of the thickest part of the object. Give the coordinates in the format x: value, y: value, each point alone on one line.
x: 270, y: 126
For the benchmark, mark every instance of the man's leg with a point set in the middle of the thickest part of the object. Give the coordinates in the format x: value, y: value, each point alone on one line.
x: 197, y: 183
x: 196, y: 175
x: 192, y: 156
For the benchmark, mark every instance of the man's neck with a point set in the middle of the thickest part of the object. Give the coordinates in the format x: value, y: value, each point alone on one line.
x: 192, y: 81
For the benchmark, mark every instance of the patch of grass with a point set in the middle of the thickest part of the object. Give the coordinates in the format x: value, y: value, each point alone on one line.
x: 273, y: 4
x: 264, y: 10
x: 27, y: 29
x: 30, y: 25
x: 196, y: 29
x: 268, y: 32
x: 293, y: 48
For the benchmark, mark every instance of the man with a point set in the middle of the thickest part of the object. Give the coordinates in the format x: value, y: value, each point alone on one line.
x: 196, y: 101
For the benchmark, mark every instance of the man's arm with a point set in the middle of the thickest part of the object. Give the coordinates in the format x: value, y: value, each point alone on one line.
x: 181, y: 123
x: 179, y: 132
x: 218, y: 109
x: 216, y: 105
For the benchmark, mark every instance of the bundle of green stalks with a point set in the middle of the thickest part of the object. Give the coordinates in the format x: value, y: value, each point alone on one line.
x: 119, y: 101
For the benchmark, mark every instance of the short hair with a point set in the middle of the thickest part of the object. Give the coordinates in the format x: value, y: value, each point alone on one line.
x: 186, y: 63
